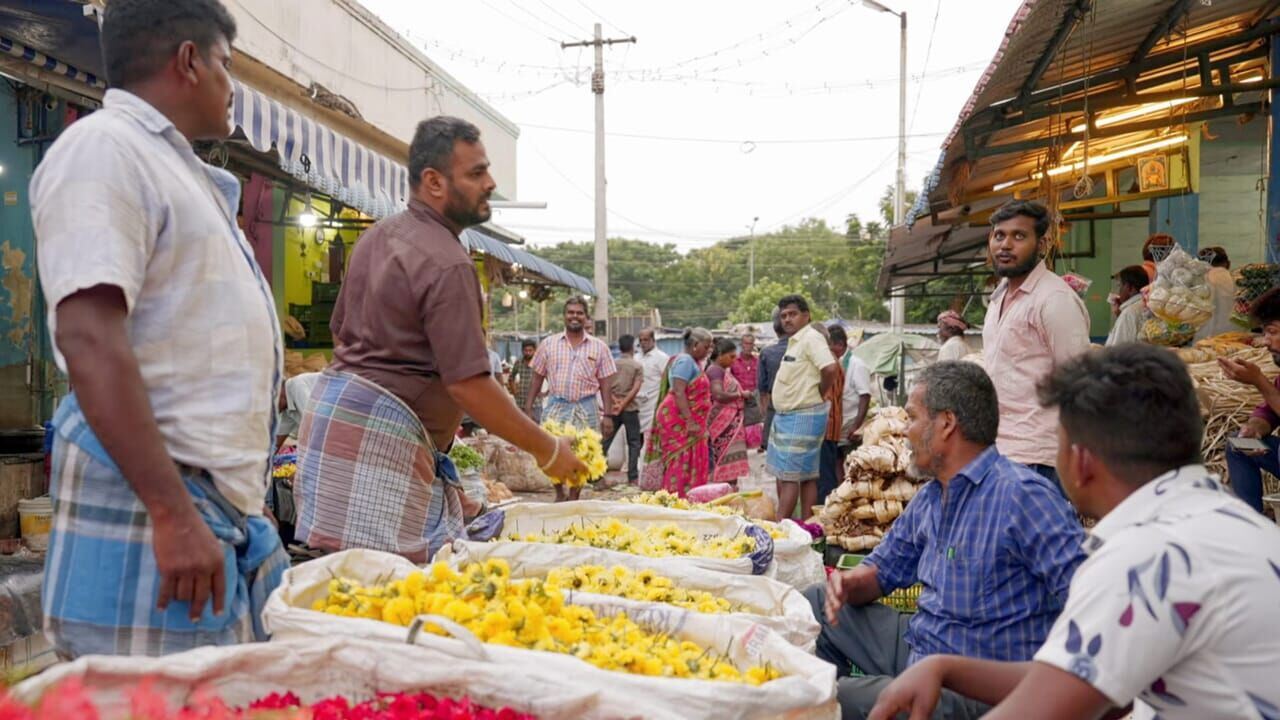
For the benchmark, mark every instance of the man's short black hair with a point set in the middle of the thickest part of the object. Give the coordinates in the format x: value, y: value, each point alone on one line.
x: 433, y: 142
x: 838, y: 335
x: 1132, y: 405
x: 627, y: 343
x: 139, y: 36
x: 1266, y: 309
x: 798, y: 300
x: 1135, y: 276
x: 1024, y: 208
x: 529, y: 343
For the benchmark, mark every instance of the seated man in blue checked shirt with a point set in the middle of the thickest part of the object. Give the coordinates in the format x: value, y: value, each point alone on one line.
x: 993, y: 543
x: 1175, y: 610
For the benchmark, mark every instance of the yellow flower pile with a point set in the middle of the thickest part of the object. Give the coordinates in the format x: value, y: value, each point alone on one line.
x: 285, y: 471
x: 657, y: 541
x: 531, y: 614
x: 587, y: 446
x: 662, y: 498
x: 638, y: 585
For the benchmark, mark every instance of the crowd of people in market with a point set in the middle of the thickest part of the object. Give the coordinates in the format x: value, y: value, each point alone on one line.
x: 162, y: 540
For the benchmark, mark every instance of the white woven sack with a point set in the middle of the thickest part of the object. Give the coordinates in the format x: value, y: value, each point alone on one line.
x: 779, y: 607
x: 315, y: 668
x: 525, y: 518
x: 806, y: 690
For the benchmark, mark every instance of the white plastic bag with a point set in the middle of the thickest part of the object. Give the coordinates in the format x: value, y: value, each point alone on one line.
x: 775, y: 605
x: 806, y: 690
x: 795, y: 561
x: 526, y: 518
x: 315, y: 668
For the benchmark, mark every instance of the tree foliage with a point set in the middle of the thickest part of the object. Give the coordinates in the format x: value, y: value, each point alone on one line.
x: 834, y: 268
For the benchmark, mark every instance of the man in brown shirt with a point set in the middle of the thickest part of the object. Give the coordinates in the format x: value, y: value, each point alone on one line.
x: 409, y: 315
x: 623, y: 408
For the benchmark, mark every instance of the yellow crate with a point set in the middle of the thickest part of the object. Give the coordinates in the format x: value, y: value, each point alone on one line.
x: 903, y: 600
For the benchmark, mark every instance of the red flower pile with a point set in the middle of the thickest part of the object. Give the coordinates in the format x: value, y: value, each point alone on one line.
x: 70, y: 701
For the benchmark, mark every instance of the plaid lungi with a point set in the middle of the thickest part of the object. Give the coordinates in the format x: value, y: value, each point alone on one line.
x: 101, y: 581
x: 795, y: 443
x: 367, y: 473
x: 582, y: 414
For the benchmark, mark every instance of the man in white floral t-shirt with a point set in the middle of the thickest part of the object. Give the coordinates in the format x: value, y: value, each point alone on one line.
x: 1174, y: 610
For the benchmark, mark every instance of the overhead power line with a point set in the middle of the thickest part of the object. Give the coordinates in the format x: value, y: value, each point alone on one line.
x: 729, y: 141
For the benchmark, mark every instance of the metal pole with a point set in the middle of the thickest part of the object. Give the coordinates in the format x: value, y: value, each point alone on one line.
x: 752, y: 242
x: 602, y: 242
x: 897, y: 305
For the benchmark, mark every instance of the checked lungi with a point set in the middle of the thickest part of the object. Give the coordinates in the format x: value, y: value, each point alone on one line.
x: 582, y: 414
x: 101, y: 582
x: 369, y: 475
x: 795, y: 443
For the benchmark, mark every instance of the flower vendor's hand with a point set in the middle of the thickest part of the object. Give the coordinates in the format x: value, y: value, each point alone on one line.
x: 606, y: 426
x: 916, y: 691
x: 837, y: 593
x: 567, y: 465
x: 190, y: 561
x: 1242, y: 371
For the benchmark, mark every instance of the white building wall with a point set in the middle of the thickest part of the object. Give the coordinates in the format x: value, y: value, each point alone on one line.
x: 346, y: 49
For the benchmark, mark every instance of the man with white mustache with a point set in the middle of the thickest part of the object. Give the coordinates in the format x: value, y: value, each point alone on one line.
x: 994, y: 544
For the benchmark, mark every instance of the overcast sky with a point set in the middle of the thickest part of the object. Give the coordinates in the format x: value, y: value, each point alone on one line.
x: 776, y: 109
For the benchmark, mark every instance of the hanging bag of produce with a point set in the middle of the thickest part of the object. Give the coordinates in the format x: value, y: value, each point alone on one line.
x: 1180, y: 297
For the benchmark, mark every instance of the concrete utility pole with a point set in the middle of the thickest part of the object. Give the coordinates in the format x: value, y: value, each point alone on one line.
x: 601, y: 279
x: 897, y: 305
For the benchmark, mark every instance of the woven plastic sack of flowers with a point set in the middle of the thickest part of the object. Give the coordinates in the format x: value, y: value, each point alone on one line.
x: 595, y: 519
x: 803, y: 687
x: 759, y: 599
x: 315, y: 668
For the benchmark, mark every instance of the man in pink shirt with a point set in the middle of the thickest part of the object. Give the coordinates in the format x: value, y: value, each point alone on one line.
x: 1034, y: 324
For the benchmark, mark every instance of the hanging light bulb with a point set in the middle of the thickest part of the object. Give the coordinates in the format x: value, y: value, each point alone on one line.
x: 308, y: 217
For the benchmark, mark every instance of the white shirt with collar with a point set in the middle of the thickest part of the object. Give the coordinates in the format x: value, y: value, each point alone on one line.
x: 122, y: 200
x: 1177, y: 607
x: 1128, y: 324
x: 857, y: 382
x: 654, y: 363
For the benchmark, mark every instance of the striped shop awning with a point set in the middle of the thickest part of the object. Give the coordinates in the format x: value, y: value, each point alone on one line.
x: 53, y: 65
x: 322, y: 158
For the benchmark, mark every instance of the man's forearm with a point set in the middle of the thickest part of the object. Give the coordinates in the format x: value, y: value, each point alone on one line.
x: 987, y: 681
x: 764, y: 402
x: 486, y: 402
x: 864, y: 402
x: 535, y: 388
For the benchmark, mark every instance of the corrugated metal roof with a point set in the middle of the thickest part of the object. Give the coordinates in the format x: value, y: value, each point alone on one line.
x: 1071, y: 40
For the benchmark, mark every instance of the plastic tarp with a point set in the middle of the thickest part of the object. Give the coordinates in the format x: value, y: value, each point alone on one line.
x: 881, y: 352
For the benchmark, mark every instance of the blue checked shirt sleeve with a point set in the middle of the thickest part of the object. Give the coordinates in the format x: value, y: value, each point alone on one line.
x: 897, y: 557
x: 1049, y: 537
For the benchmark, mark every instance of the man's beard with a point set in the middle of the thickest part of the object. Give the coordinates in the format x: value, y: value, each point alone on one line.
x: 462, y: 216
x: 1018, y: 270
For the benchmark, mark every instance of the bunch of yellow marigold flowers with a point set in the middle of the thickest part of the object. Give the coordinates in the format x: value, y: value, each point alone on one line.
x: 587, y: 447
x: 638, y: 585
x: 662, y: 498
x: 667, y: 540
x: 532, y: 614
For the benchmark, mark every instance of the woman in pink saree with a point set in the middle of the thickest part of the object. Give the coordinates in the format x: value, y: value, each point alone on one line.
x: 726, y: 423
x: 676, y: 459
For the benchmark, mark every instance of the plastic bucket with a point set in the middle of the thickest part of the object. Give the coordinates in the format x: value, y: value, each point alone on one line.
x: 35, y: 517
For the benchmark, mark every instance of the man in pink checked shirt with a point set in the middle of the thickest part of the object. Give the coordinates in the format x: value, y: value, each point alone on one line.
x: 1035, y: 323
x: 575, y: 366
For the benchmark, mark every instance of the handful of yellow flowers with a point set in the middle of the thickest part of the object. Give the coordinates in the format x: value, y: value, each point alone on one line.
x: 662, y: 498
x: 638, y: 585
x: 657, y: 541
x: 587, y: 447
x: 532, y: 614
